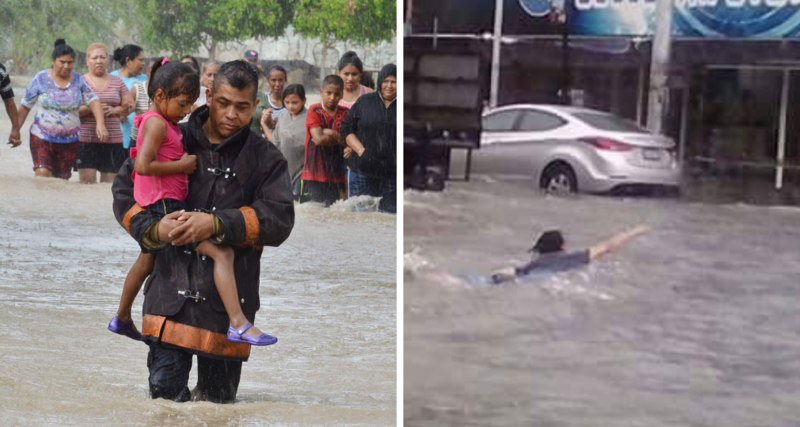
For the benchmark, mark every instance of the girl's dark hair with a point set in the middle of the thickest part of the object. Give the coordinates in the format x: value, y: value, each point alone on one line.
x: 124, y: 53
x: 61, y: 49
x: 350, y: 58
x: 279, y: 68
x: 294, y: 89
x: 174, y: 78
x: 366, y: 80
x: 194, y: 63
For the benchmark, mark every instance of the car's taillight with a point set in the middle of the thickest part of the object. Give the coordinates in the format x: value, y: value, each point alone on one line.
x: 608, y: 144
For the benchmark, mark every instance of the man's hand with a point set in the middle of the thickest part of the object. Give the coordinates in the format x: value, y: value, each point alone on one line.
x: 167, y: 224
x: 198, y: 226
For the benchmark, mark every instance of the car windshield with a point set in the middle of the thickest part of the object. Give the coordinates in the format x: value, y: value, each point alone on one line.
x: 608, y: 122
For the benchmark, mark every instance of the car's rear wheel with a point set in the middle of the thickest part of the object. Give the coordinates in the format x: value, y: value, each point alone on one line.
x: 559, y: 178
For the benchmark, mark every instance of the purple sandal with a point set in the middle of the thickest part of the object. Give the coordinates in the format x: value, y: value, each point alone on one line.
x: 238, y: 335
x: 127, y: 329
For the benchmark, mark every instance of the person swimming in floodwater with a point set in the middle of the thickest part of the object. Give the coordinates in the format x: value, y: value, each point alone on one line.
x: 551, y: 258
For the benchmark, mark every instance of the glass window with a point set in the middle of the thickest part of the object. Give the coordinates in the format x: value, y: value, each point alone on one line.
x: 609, y: 123
x: 503, y: 120
x: 533, y: 120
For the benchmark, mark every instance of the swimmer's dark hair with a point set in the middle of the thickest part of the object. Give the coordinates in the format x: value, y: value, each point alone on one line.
x: 350, y: 58
x: 279, y: 68
x: 193, y: 63
x: 61, y: 49
x: 238, y: 74
x: 174, y: 78
x: 125, y: 53
x: 549, y: 241
x: 294, y: 89
x: 333, y: 79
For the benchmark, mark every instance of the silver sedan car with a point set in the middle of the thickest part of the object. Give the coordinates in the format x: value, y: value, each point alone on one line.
x: 571, y: 149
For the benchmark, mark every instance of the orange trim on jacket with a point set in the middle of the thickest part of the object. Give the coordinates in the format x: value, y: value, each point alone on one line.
x: 252, y: 228
x: 126, y: 221
x: 192, y: 337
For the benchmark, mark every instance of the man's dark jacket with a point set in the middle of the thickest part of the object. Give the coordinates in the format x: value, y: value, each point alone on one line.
x: 245, y: 182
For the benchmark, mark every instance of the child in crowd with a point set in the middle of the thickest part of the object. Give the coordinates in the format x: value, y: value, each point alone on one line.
x: 323, y: 172
x: 141, y: 102
x: 290, y: 132
x: 161, y: 186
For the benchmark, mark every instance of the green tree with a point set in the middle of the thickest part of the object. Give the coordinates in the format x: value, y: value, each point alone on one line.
x: 358, y: 21
x: 181, y: 26
x: 28, y: 28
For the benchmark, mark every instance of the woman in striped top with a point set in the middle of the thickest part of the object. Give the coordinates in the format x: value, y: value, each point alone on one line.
x: 95, y: 155
x: 142, y: 103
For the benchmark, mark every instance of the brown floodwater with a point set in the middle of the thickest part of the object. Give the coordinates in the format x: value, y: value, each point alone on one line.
x: 328, y: 293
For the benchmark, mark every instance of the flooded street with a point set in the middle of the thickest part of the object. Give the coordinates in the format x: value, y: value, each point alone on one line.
x: 692, y: 324
x: 328, y: 293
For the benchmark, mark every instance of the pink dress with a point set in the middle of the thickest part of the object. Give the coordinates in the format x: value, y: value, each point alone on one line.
x: 345, y: 104
x: 150, y: 189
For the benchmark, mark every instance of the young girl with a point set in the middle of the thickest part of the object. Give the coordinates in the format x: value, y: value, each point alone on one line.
x: 274, y: 107
x: 160, y: 186
x: 290, y: 132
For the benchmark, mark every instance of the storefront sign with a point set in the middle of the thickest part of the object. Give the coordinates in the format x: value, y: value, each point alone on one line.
x: 691, y: 18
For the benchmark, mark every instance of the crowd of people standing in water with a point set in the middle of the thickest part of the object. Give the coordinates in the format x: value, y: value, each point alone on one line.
x: 341, y: 147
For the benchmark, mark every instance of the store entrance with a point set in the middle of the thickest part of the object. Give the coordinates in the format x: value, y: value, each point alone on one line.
x: 749, y: 121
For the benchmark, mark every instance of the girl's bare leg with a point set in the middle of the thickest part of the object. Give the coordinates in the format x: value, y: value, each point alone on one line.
x: 225, y: 282
x: 87, y: 176
x: 133, y: 283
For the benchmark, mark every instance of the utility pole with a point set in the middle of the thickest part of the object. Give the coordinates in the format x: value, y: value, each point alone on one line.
x: 409, y: 15
x: 659, y: 67
x: 496, y: 46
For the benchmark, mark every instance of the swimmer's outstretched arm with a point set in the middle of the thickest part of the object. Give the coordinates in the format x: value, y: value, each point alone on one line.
x: 616, y: 241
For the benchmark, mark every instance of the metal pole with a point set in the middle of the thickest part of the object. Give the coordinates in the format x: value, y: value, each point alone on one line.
x: 496, y: 46
x: 640, y: 97
x: 407, y: 25
x: 782, y: 130
x: 566, y: 77
x: 659, y: 67
x: 684, y: 124
x: 435, y: 29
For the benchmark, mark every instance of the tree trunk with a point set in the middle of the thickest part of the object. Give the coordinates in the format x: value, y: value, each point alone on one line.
x: 212, y: 50
x: 314, y: 55
x: 326, y: 45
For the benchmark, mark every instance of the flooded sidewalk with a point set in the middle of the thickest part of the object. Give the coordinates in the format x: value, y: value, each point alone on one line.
x: 328, y: 293
x: 692, y: 324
